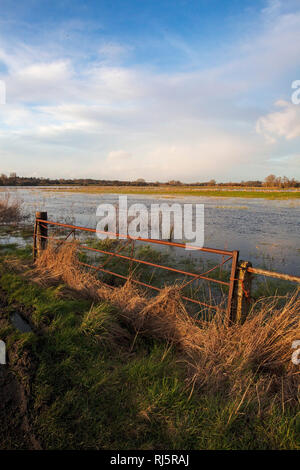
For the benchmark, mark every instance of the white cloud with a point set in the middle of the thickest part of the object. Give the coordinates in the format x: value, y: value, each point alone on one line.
x: 212, y: 154
x: 284, y: 123
x: 44, y: 72
x: 132, y: 121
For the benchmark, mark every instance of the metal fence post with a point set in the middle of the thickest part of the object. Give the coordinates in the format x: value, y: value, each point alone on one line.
x: 41, y: 233
x: 242, y: 294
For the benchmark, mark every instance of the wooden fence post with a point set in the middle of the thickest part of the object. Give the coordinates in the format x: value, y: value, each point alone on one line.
x: 242, y: 294
x: 230, y: 302
x: 41, y: 231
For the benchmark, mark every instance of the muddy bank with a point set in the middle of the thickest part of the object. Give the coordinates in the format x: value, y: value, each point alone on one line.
x: 15, y: 430
x: 15, y: 386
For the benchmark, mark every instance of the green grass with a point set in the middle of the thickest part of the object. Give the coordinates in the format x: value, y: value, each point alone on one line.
x: 181, y: 191
x: 97, y: 386
x: 9, y: 247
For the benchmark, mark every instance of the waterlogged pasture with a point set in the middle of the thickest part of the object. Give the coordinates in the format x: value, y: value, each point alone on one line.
x: 266, y: 232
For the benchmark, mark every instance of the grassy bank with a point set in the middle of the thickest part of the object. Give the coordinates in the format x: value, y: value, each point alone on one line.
x: 95, y: 376
x: 174, y: 191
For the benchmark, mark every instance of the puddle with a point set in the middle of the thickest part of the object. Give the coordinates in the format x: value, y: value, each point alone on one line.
x: 12, y: 240
x: 19, y: 322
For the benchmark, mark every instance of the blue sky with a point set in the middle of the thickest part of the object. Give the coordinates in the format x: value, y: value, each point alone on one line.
x: 169, y: 89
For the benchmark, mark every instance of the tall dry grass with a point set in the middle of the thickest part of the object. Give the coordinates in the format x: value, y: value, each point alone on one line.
x: 10, y: 209
x: 251, y: 361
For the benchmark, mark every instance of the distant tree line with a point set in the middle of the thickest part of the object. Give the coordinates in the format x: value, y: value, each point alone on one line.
x: 270, y: 181
x: 280, y: 182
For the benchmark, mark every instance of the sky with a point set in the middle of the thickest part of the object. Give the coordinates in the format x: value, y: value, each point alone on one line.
x: 157, y: 89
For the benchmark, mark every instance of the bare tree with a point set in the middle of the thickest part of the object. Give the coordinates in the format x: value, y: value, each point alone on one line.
x: 270, y: 181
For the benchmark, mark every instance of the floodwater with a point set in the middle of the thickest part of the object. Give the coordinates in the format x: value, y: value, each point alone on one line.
x: 266, y: 232
x: 19, y: 322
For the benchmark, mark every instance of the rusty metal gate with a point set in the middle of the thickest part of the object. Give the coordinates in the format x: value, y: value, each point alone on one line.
x: 41, y: 236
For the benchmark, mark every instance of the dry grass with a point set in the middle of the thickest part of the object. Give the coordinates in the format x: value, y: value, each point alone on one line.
x: 251, y: 361
x: 61, y: 263
x: 10, y: 209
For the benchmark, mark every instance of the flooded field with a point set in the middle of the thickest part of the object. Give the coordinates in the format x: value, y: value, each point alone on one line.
x: 266, y: 232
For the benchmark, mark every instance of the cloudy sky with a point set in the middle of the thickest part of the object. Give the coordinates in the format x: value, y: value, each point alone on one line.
x: 157, y: 89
